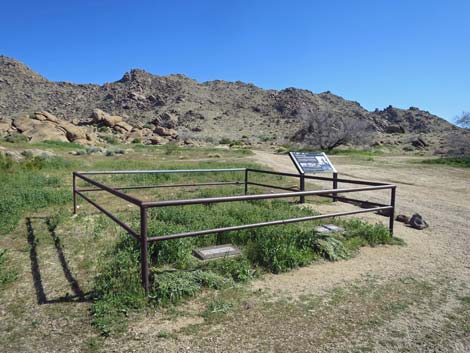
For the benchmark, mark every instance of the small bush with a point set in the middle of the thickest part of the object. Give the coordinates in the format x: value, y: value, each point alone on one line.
x: 170, y: 148
x: 103, y: 129
x: 16, y: 138
x: 112, y: 140
x: 225, y: 141
x: 172, y: 287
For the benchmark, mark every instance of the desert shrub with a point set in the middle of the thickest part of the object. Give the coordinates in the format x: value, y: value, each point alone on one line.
x: 137, y: 140
x: 16, y: 138
x: 112, y: 140
x: 113, y: 151
x: 330, y: 247
x: 170, y: 148
x: 103, y: 129
x: 225, y: 141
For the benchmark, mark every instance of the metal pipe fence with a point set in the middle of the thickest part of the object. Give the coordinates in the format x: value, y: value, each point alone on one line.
x: 144, y: 238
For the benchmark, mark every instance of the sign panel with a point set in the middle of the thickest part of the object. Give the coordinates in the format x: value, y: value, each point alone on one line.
x: 312, y: 162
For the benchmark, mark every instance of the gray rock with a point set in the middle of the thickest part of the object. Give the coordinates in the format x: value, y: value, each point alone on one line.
x: 418, y: 222
x: 402, y: 218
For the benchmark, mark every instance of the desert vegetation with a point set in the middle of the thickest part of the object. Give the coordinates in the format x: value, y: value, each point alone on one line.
x: 327, y: 130
x: 96, y: 282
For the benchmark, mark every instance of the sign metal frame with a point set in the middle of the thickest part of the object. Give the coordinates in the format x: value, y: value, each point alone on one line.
x: 302, y: 172
x: 299, y: 168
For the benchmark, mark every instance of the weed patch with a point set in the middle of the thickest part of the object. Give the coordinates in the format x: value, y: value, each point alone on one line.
x: 177, y: 275
x: 7, y: 274
x: 23, y: 189
x: 463, y: 162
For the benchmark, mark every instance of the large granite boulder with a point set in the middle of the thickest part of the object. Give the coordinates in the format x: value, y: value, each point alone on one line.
x: 100, y: 117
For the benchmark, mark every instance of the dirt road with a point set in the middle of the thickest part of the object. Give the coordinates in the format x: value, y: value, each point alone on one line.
x: 440, y: 195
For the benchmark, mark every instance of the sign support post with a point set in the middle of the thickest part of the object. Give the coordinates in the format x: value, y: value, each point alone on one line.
x: 335, y: 184
x: 313, y: 162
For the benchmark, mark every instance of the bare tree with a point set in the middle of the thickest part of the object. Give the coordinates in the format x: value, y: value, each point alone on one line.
x: 459, y: 145
x: 463, y: 120
x: 327, y: 130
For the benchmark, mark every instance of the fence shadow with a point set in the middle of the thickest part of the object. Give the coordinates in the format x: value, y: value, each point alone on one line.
x: 78, y: 294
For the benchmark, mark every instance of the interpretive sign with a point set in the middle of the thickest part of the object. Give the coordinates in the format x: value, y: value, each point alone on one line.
x: 212, y: 252
x: 312, y: 162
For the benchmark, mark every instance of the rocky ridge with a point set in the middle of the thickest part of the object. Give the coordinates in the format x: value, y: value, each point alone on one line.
x: 157, y: 109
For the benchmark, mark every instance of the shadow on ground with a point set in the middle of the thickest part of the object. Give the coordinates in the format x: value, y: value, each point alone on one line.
x: 78, y: 294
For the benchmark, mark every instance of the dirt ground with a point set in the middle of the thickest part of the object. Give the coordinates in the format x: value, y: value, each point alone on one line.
x: 412, y: 298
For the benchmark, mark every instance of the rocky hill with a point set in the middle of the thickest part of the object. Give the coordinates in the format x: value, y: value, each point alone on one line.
x: 207, y: 111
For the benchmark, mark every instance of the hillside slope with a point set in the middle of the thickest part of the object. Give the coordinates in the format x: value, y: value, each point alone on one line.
x: 204, y: 111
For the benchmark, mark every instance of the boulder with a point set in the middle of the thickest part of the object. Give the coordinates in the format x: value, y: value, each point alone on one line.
x: 84, y: 142
x: 123, y: 125
x: 46, y: 133
x: 156, y: 140
x: 5, y: 126
x: 38, y: 153
x: 417, y: 222
x: 394, y: 129
x: 42, y: 116
x: 162, y: 131
x: 134, y: 135
x: 419, y: 143
x: 167, y: 120
x: 72, y: 132
x: 402, y: 218
x: 24, y: 123
x: 15, y: 155
x: 136, y: 96
x: 100, y: 117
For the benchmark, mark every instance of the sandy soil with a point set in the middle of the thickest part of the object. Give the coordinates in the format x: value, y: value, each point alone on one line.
x: 440, y: 195
x: 408, y: 295
x: 395, y: 298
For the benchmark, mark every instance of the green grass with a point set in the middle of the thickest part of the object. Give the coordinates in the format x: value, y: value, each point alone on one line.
x: 463, y: 162
x: 27, y: 186
x: 58, y: 145
x: 16, y: 138
x: 37, y: 183
x: 177, y: 275
x: 7, y: 273
x: 369, y: 152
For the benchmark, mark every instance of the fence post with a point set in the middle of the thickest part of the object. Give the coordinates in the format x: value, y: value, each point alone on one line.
x: 335, y: 185
x: 246, y: 181
x: 143, y: 249
x: 392, y: 211
x: 302, y: 187
x: 74, y: 188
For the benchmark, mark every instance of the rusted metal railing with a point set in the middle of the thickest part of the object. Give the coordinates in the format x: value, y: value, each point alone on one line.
x: 144, y: 238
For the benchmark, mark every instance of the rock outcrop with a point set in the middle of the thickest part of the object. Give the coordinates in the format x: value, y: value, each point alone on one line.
x: 174, y: 107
